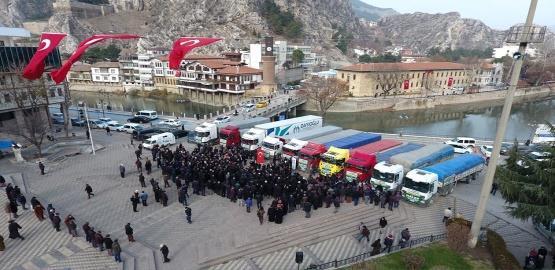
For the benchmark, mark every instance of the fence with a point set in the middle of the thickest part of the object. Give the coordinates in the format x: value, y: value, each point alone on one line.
x: 365, y: 256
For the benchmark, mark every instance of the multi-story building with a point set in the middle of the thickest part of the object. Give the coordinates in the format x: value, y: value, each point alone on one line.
x: 80, y: 73
x: 489, y: 74
x: 106, y: 72
x: 17, y: 94
x: 509, y: 50
x: 375, y: 79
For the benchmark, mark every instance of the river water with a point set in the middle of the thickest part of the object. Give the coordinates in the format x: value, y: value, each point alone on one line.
x: 478, y: 120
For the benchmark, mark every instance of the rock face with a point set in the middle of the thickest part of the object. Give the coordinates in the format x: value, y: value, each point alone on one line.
x: 14, y: 12
x: 370, y: 12
x: 423, y: 31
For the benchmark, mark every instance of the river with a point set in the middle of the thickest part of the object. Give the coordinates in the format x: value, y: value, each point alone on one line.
x: 478, y: 120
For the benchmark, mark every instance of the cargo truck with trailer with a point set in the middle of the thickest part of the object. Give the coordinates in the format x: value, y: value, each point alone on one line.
x: 309, y: 155
x: 362, y: 160
x: 389, y: 175
x: 333, y: 161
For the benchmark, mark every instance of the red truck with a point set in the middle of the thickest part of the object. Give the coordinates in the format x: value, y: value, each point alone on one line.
x: 309, y: 156
x: 359, y: 165
x: 230, y: 136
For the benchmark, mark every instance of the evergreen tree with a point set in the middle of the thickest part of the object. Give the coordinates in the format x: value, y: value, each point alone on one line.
x: 529, y: 185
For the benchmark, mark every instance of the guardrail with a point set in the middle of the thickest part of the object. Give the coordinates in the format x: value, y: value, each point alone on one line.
x: 367, y: 255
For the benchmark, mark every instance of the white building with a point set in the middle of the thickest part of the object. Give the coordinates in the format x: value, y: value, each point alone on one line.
x: 9, y: 35
x: 327, y: 74
x: 509, y: 50
x: 284, y: 55
x: 105, y: 72
x: 489, y: 74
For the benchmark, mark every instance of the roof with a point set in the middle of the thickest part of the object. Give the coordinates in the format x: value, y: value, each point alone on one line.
x: 232, y: 53
x: 417, y: 66
x: 81, y: 67
x: 487, y: 66
x: 106, y: 64
x: 239, y: 70
x: 192, y: 57
x: 14, y: 32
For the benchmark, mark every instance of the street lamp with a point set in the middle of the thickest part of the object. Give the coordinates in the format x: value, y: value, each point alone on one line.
x: 521, y: 34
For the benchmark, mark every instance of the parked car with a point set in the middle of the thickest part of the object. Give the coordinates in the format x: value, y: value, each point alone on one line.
x: 142, y: 134
x: 486, y: 150
x: 105, y: 119
x: 115, y: 125
x: 130, y: 127
x: 58, y: 121
x: 249, y: 107
x: 462, y: 141
x: 95, y: 123
x: 463, y: 150
x: 139, y: 119
x: 171, y: 122
x: 222, y: 119
x: 262, y: 104
x: 76, y: 122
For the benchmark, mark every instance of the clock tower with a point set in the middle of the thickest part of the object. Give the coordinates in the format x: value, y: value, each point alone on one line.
x: 268, y: 85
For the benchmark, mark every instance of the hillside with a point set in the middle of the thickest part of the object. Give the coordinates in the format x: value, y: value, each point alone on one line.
x: 369, y: 12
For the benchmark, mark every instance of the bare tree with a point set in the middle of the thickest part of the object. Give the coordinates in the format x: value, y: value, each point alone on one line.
x: 472, y: 69
x: 428, y: 82
x: 31, y: 99
x: 389, y: 81
x: 325, y: 92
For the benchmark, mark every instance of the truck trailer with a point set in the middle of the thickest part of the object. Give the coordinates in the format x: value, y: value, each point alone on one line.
x: 386, y: 174
x: 362, y: 160
x: 422, y: 185
x: 292, y: 148
x: 424, y: 156
x: 335, y: 136
x: 309, y: 155
x: 315, y: 133
x: 333, y: 160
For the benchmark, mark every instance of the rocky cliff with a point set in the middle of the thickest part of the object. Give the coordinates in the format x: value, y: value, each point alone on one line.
x: 369, y: 12
x: 423, y: 31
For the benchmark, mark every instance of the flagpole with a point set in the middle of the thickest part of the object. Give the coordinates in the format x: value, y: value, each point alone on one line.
x: 89, y: 128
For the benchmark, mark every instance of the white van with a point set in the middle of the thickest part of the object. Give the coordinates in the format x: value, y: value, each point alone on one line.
x: 166, y: 138
x: 462, y: 141
x: 130, y: 127
x: 150, y: 114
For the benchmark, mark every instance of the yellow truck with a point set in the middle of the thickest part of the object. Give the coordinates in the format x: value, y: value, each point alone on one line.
x: 333, y: 161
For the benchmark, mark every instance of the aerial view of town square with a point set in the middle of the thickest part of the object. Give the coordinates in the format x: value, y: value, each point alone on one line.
x: 277, y: 134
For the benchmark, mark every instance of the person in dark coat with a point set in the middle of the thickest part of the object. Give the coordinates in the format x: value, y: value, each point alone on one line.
x: 129, y: 232
x: 122, y: 170
x: 13, y: 208
x: 22, y: 200
x: 89, y: 190
x: 2, y: 244
x: 41, y: 167
x: 388, y: 242
x: 142, y: 180
x: 188, y: 213
x: 56, y: 221
x: 260, y: 214
x: 116, y: 250
x: 164, y: 198
x: 108, y: 244
x: 165, y: 252
x: 13, y: 229
x: 148, y: 166
x: 99, y: 240
x: 92, y: 236
x: 86, y: 229
x: 383, y: 222
x: 376, y: 247
x: 307, y: 207
x: 405, y: 237
x: 135, y: 200
x: 336, y: 204
x: 271, y: 214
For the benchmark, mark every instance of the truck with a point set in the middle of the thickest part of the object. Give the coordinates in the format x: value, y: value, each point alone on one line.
x: 254, y: 137
x: 390, y: 174
x: 315, y: 133
x: 359, y: 165
x: 309, y: 155
x: 333, y: 161
x: 422, y: 185
x: 210, y: 132
x: 230, y: 136
x: 272, y: 146
x: 206, y: 133
x: 292, y: 148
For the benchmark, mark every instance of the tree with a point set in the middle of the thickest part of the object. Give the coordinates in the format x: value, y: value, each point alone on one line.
x: 297, y: 57
x: 528, y: 185
x: 325, y: 92
x: 365, y: 58
x: 472, y: 68
x: 31, y: 99
x: 389, y: 81
x: 110, y: 53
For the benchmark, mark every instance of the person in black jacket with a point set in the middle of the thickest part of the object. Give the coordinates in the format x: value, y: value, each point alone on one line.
x: 165, y: 251
x: 129, y: 232
x: 56, y: 220
x: 108, y: 244
x: 135, y: 200
x: 13, y: 229
x: 376, y: 247
x: 89, y: 190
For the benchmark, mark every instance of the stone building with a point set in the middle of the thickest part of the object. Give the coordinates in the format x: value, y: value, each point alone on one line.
x: 378, y: 79
x: 80, y: 73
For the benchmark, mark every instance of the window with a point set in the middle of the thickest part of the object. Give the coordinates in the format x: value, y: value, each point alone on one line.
x: 354, y: 77
x: 7, y: 98
x: 113, y: 70
x: 416, y: 84
x: 413, y: 75
x: 97, y: 78
x: 105, y: 78
x: 377, y: 87
x: 342, y: 75
x: 411, y: 85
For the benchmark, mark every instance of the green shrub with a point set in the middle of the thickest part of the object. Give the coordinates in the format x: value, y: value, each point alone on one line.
x: 502, y: 258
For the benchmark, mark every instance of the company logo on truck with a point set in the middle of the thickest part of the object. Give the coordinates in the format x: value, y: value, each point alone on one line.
x: 282, y: 131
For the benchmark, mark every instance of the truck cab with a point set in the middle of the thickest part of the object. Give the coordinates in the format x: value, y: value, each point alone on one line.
x: 206, y: 133
x: 230, y: 136
x: 333, y: 161
x: 252, y: 139
x: 359, y: 166
x: 309, y: 156
x: 387, y: 175
x: 292, y: 148
x: 419, y: 186
x: 272, y: 146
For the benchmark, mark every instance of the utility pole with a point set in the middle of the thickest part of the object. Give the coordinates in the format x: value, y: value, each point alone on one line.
x: 89, y: 128
x: 522, y: 35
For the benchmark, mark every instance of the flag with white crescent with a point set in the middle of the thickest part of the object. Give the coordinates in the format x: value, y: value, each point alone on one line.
x: 184, y: 45
x: 48, y: 42
x: 59, y: 75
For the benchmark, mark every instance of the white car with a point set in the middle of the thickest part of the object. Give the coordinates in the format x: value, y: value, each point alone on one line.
x: 101, y: 124
x: 462, y: 150
x: 130, y: 127
x: 222, y: 119
x: 486, y: 150
x: 115, y: 125
x: 462, y: 141
x: 171, y: 122
x: 105, y: 119
x: 249, y: 107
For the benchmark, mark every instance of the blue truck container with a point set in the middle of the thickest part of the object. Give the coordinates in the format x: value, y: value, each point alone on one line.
x: 386, y: 155
x: 425, y: 156
x: 354, y: 141
x: 453, y: 169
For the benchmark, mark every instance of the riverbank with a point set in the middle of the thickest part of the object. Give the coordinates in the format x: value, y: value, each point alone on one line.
x: 420, y: 103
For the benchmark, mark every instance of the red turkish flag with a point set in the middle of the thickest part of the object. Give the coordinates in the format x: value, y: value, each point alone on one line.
x: 450, y: 82
x: 406, y: 84
x: 59, y: 75
x: 184, y: 45
x: 48, y: 42
x: 260, y: 156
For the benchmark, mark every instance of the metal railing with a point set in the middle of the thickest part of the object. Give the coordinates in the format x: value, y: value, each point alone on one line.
x: 367, y: 255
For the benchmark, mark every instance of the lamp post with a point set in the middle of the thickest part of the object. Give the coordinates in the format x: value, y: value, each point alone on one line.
x: 521, y: 34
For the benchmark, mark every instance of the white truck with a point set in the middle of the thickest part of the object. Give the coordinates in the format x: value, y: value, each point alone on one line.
x: 254, y: 137
x: 422, y: 185
x: 292, y: 148
x: 389, y: 174
x: 163, y: 139
x: 272, y: 146
x: 206, y: 133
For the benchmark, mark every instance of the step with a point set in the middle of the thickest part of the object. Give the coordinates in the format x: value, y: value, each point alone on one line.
x: 143, y: 256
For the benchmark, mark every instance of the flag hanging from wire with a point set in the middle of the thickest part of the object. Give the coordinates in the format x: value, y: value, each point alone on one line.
x: 48, y: 42
x: 184, y: 45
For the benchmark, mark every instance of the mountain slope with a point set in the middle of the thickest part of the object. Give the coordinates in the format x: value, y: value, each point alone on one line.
x: 369, y: 12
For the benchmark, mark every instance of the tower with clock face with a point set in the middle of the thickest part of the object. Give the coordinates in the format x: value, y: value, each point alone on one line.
x: 268, y: 64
